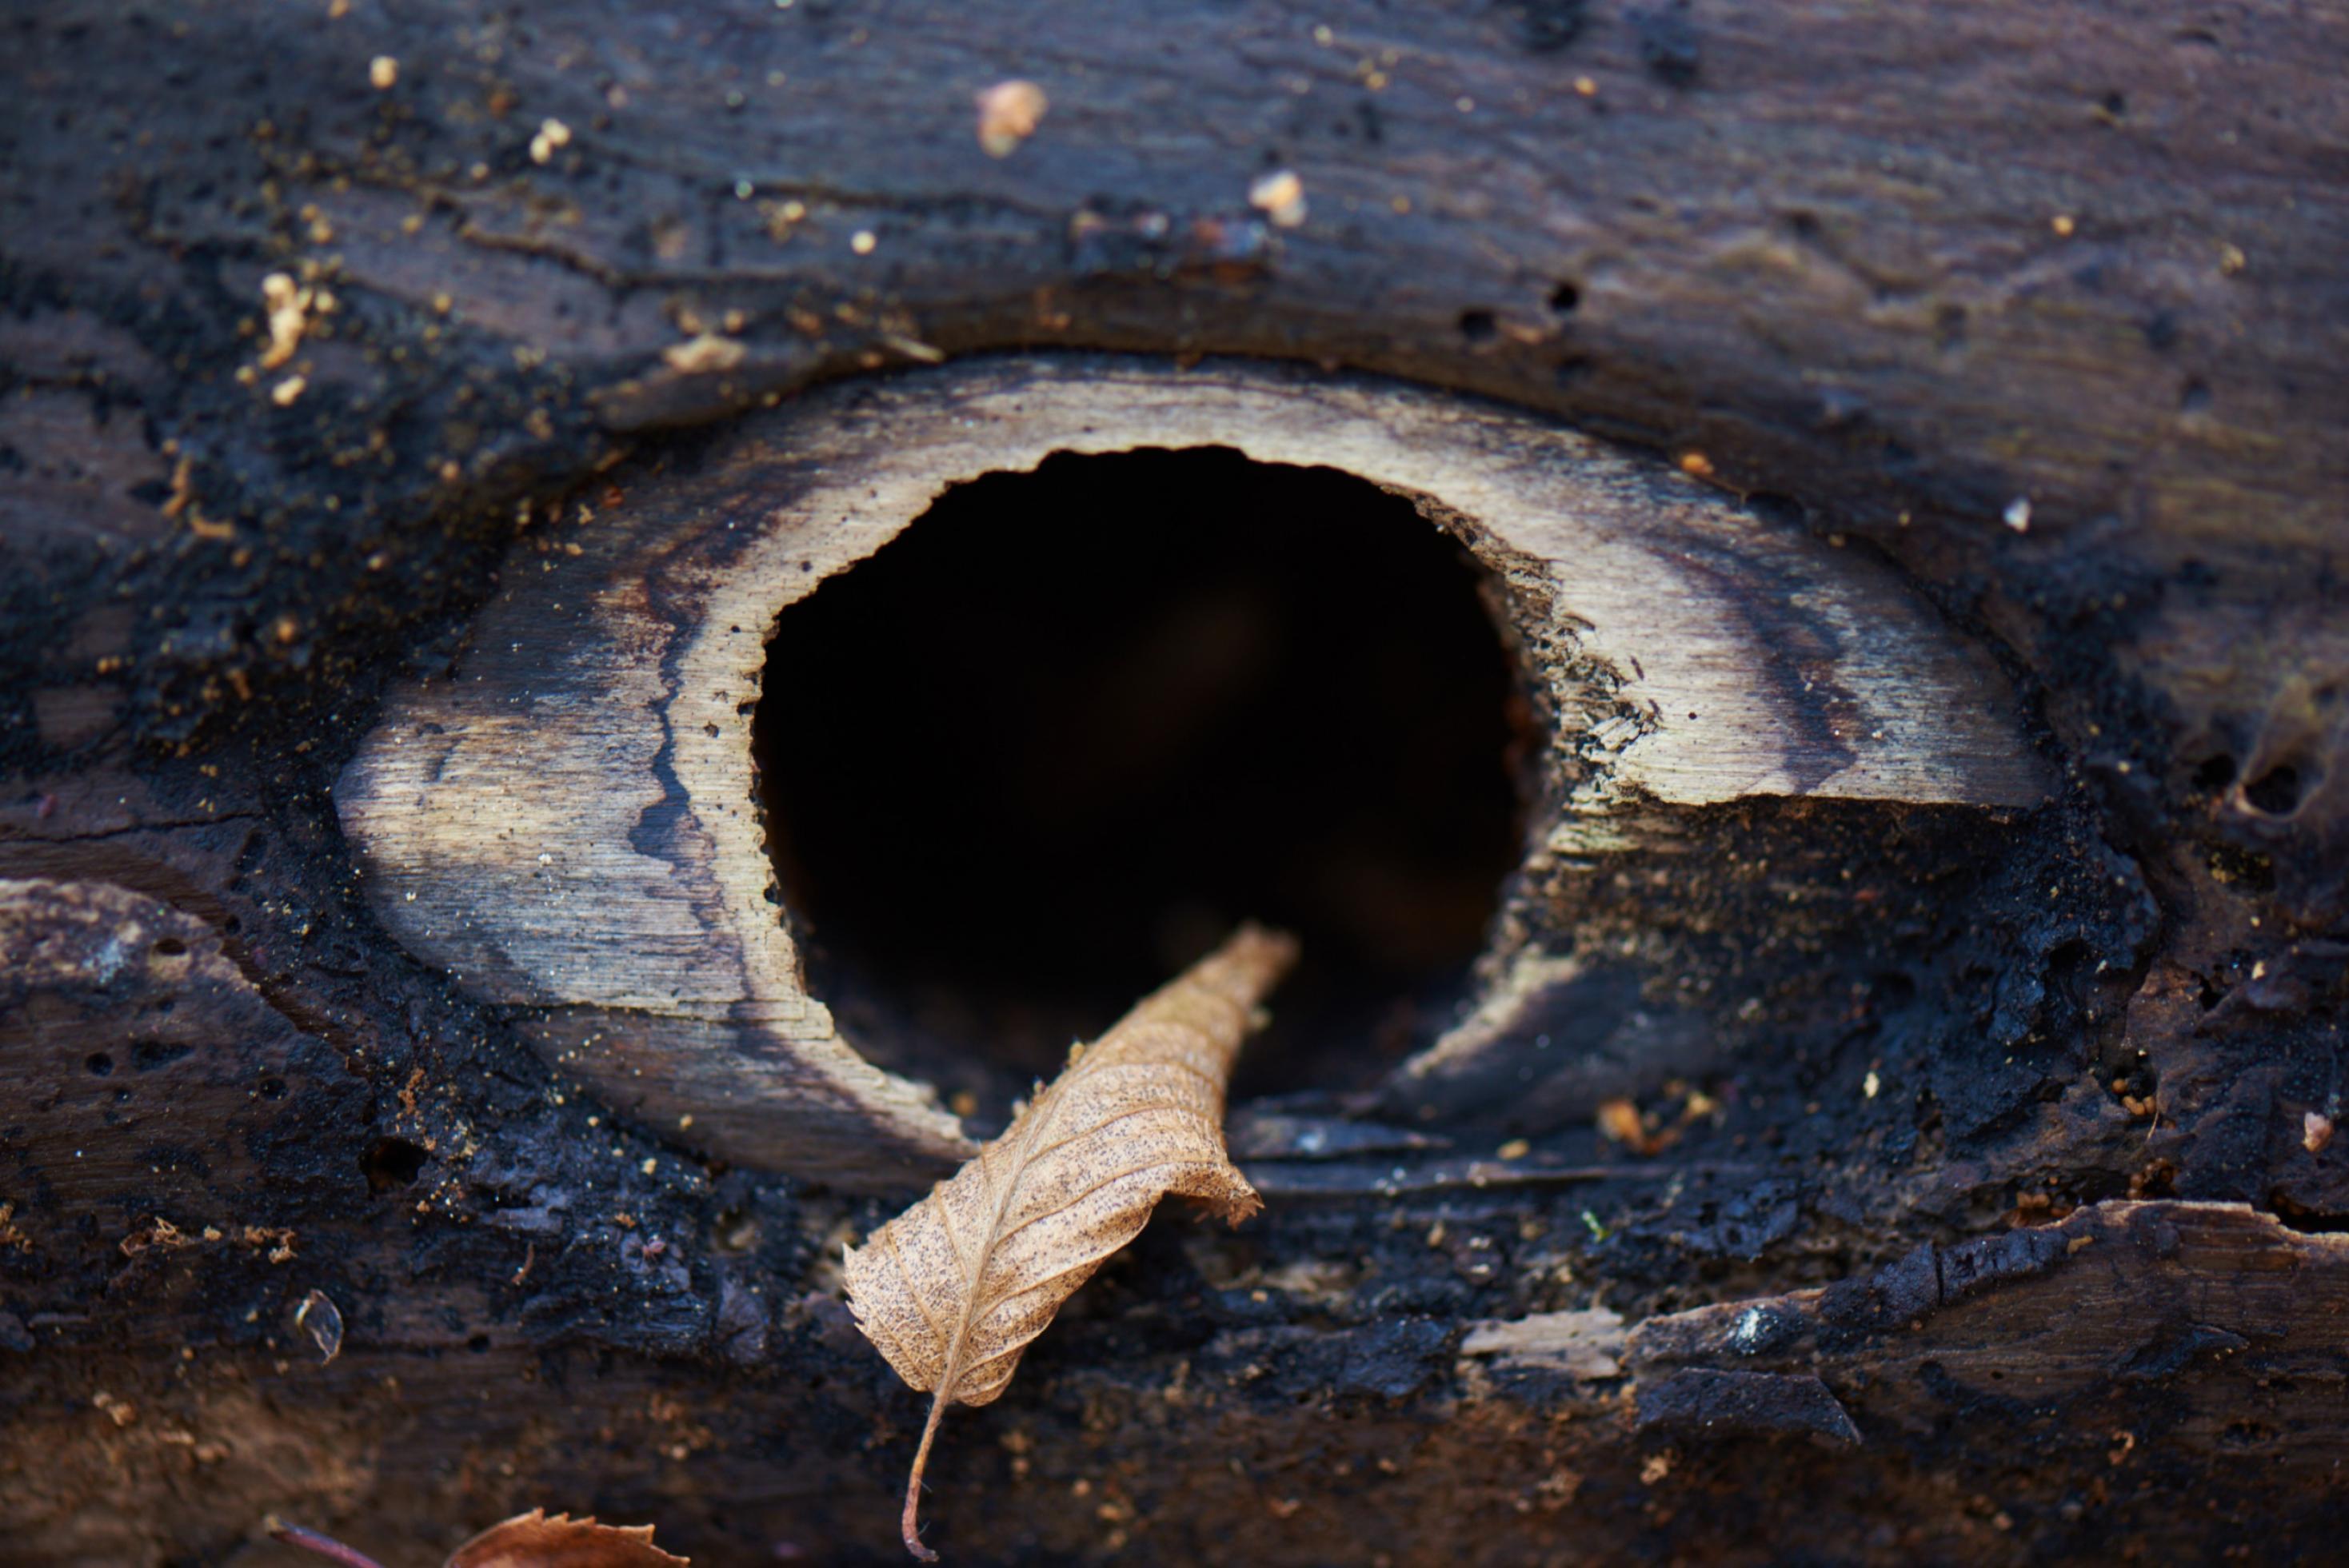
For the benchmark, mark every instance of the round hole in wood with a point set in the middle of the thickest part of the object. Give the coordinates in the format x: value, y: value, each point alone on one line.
x: 1049, y: 744
x: 569, y: 822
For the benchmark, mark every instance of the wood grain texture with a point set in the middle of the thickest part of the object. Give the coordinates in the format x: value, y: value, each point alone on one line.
x: 146, y: 1076
x: 2055, y: 1324
x: 2165, y: 1346
x: 564, y: 820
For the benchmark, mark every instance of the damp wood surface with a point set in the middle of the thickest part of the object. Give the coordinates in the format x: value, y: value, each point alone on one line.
x: 1886, y: 1181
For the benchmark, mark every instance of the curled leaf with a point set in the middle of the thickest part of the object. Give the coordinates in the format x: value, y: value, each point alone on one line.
x: 952, y: 1289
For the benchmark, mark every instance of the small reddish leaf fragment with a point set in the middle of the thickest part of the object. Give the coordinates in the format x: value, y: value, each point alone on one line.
x: 533, y: 1539
x: 526, y: 1540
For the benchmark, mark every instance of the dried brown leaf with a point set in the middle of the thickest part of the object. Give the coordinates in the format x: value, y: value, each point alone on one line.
x: 534, y: 1541
x: 952, y: 1289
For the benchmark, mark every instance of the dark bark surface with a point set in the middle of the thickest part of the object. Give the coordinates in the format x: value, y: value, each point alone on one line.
x: 2072, y: 1282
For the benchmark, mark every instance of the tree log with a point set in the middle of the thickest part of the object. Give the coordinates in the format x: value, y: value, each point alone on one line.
x: 1884, y: 1175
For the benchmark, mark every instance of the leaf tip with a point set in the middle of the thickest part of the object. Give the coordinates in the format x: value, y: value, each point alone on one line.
x: 1274, y: 949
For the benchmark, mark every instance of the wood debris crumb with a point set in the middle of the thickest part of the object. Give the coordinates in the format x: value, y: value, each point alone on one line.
x: 552, y: 138
x: 701, y: 354
x: 383, y: 73
x: 161, y: 1235
x: 288, y: 305
x: 913, y: 348
x: 1280, y: 196
x: 2315, y: 1133
x: 1008, y: 114
x: 278, y: 1239
x: 183, y: 490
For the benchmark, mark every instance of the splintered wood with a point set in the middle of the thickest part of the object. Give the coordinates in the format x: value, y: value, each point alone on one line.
x: 952, y: 1289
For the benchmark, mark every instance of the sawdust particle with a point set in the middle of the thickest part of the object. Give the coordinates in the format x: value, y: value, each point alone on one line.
x: 553, y: 136
x: 1008, y: 114
x: 1279, y: 195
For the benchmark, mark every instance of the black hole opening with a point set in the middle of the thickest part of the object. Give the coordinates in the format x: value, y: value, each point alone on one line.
x: 170, y: 947
x: 1054, y: 740
x: 99, y: 1064
x: 1784, y: 511
x: 1565, y: 299
x: 392, y: 1163
x: 2275, y: 791
x: 1478, y: 325
x: 2301, y: 1217
x: 2214, y: 773
x: 146, y: 1055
